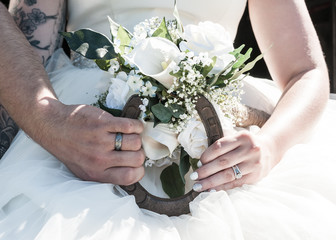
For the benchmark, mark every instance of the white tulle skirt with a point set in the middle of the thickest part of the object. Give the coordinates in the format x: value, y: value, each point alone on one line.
x: 41, y: 199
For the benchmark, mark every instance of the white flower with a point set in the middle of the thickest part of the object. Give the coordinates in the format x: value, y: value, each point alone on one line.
x: 158, y: 142
x: 118, y: 92
x: 114, y: 66
x: 148, y: 90
x: 211, y: 38
x: 206, y: 37
x: 135, y: 82
x: 149, y: 54
x: 193, y: 138
x: 145, y: 102
x: 142, y: 108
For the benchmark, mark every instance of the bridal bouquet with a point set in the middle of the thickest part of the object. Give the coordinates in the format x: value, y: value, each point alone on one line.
x: 169, y: 65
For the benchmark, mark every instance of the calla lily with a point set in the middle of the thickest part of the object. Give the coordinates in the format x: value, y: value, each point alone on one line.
x: 156, y: 57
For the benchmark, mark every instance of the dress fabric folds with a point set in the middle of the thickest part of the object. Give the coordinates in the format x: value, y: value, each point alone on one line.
x: 41, y: 199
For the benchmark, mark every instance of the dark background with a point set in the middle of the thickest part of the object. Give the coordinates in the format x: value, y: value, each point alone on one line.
x: 322, y: 13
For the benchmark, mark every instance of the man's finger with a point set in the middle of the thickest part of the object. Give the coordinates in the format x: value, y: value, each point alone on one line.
x: 123, y: 175
x: 129, y: 142
x: 126, y: 159
x: 125, y: 125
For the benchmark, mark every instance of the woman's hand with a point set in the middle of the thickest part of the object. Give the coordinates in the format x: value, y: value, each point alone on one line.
x: 83, y: 138
x: 251, y: 153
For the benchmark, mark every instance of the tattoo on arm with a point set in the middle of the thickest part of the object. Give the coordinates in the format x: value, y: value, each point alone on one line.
x: 29, y: 18
x: 8, y: 130
x: 29, y: 22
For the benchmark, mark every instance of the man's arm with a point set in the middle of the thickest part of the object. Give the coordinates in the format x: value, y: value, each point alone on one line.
x: 8, y: 130
x: 40, y: 22
x: 80, y: 136
x: 41, y: 28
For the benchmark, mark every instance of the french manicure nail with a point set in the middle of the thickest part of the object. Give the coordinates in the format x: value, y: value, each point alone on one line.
x: 197, y: 187
x: 194, y: 176
x: 199, y: 164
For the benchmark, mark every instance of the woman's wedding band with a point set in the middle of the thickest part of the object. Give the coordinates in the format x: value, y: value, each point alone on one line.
x: 118, y: 141
x: 237, y: 173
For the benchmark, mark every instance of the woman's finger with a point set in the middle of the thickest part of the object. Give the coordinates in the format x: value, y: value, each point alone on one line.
x: 220, y: 147
x: 224, y: 177
x: 246, y: 179
x: 227, y: 160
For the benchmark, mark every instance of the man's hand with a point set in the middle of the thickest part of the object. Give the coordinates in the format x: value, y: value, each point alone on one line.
x: 83, y: 138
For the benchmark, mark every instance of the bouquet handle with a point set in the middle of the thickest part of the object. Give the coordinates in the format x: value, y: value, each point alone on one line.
x: 180, y: 205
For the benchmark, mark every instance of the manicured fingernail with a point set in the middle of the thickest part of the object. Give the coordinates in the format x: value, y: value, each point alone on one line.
x: 199, y: 164
x: 197, y: 187
x: 194, y: 176
x: 212, y: 190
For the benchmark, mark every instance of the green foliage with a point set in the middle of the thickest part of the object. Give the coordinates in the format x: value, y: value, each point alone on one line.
x: 90, y: 44
x: 207, y: 69
x: 177, y: 110
x: 184, y: 164
x: 193, y: 163
x: 103, y: 64
x: 242, y: 59
x: 171, y: 180
x: 163, y: 113
x: 114, y: 112
x: 162, y: 31
x: 124, y: 38
x: 177, y: 17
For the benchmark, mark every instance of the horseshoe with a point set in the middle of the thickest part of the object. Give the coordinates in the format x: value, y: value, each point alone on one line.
x: 180, y: 205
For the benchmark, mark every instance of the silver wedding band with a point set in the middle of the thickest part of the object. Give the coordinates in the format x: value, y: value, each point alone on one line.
x: 118, y: 141
x: 237, y: 173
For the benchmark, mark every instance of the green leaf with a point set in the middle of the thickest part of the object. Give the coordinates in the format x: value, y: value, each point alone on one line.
x: 103, y: 64
x: 242, y: 59
x: 193, y: 163
x: 161, y: 112
x: 208, y: 69
x: 177, y: 110
x: 114, y: 112
x: 178, y: 19
x: 184, y: 164
x: 171, y: 181
x: 236, y: 52
x: 90, y: 44
x: 248, y: 66
x: 213, y: 81
x: 124, y: 38
x: 162, y: 31
x: 113, y: 27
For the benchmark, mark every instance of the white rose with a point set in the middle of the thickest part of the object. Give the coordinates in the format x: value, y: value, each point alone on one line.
x: 158, y: 142
x: 156, y: 57
x: 118, y: 92
x: 211, y: 38
x: 194, y: 139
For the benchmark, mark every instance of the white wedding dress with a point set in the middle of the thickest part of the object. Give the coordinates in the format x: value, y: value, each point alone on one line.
x: 41, y: 199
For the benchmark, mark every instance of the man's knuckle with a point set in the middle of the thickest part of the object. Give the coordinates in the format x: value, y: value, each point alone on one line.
x: 137, y: 142
x: 129, y: 176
